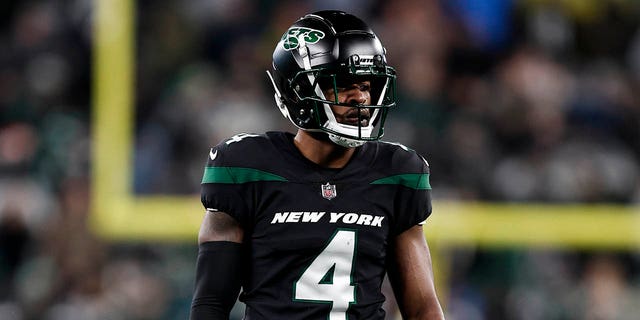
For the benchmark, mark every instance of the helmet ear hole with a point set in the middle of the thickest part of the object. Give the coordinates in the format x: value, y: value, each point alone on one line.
x: 304, y: 117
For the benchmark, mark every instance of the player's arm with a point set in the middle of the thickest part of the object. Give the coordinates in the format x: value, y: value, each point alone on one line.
x: 411, y: 276
x: 218, y: 269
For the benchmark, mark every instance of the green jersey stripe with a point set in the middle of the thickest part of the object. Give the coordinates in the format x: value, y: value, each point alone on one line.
x: 237, y: 175
x: 418, y: 181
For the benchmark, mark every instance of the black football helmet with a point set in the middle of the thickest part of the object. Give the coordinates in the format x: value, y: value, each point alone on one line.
x: 325, y: 50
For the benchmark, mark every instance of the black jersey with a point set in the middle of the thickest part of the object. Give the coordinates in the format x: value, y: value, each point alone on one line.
x: 317, y: 238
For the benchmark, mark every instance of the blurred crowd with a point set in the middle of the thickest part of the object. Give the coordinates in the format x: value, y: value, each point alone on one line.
x: 509, y: 100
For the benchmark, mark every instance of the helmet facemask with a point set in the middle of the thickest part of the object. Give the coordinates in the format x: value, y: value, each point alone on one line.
x: 309, y: 87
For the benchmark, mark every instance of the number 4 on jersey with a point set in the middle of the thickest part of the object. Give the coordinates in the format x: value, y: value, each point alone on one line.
x: 328, y: 279
x: 238, y: 137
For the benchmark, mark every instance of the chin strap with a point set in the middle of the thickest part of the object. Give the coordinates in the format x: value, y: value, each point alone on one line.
x: 345, y: 142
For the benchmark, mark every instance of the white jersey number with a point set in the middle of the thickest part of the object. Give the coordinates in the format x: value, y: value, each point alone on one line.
x: 328, y: 279
x: 238, y: 137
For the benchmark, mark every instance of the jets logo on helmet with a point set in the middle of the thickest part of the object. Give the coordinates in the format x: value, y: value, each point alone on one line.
x: 290, y: 38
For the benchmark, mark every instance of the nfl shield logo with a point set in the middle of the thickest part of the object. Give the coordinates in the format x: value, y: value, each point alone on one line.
x: 329, y: 191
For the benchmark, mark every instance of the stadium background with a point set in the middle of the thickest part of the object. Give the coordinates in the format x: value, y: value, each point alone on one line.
x: 527, y: 110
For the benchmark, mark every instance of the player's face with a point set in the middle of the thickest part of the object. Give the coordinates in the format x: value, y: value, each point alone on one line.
x: 356, y: 93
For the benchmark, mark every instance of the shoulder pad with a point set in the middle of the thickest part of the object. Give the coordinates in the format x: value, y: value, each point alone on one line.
x: 237, y: 150
x: 399, y: 165
x: 404, y: 158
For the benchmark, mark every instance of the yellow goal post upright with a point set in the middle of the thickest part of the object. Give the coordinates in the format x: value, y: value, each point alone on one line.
x: 117, y: 214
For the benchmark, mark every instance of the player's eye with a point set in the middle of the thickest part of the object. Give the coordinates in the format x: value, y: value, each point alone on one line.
x: 364, y: 86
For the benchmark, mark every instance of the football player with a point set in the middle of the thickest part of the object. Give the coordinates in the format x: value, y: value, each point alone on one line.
x: 309, y: 224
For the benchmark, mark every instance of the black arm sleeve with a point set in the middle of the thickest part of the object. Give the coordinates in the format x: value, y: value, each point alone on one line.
x: 218, y: 280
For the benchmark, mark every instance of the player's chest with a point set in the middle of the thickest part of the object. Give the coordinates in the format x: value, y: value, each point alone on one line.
x: 306, y: 215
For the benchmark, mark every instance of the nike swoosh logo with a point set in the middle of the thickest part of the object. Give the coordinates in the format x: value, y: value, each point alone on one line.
x: 212, y: 154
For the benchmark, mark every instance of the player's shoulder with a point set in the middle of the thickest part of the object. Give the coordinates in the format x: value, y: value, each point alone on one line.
x: 242, y: 149
x: 398, y: 158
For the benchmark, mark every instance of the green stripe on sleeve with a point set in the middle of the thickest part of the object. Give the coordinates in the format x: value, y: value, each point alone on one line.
x: 237, y: 175
x: 418, y: 181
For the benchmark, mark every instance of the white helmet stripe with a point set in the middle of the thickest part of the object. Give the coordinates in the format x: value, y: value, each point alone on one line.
x: 383, y: 92
x: 376, y: 111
